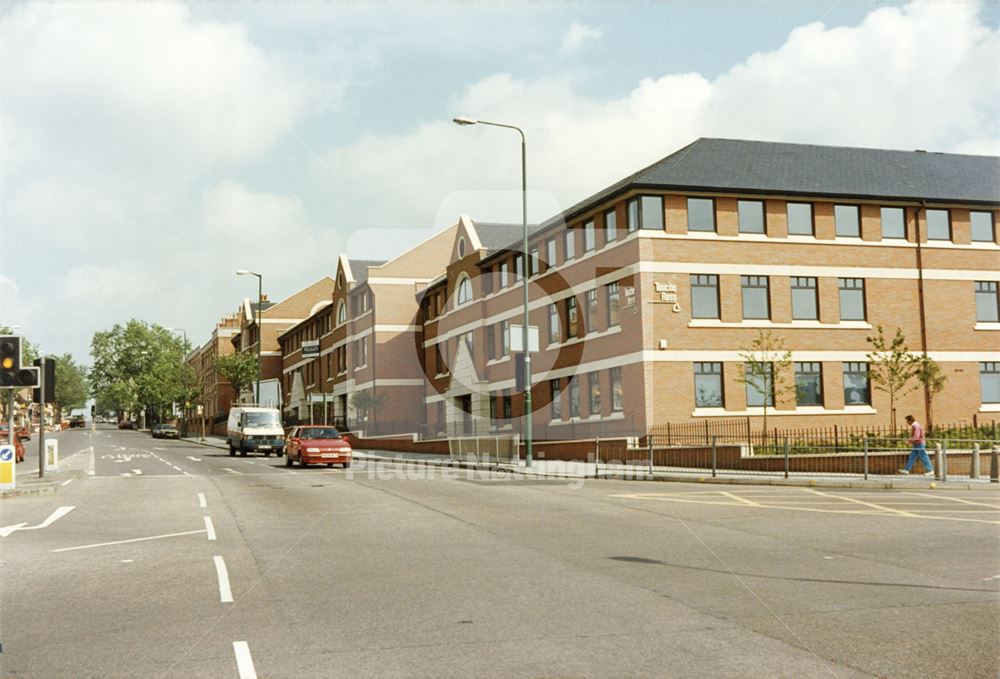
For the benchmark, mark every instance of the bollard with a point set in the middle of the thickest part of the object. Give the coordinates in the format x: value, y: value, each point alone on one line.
x: 714, y: 439
x: 974, y: 462
x: 995, y: 464
x: 866, y: 458
x: 786, y: 457
x: 937, y: 460
x: 943, y: 474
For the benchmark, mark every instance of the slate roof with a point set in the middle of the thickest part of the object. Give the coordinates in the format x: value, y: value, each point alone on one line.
x: 742, y: 166
x: 359, y: 268
x: 496, y: 236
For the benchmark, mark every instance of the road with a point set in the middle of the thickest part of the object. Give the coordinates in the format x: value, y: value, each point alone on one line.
x: 177, y: 560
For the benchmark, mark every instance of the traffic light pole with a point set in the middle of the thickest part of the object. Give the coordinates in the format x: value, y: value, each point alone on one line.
x: 11, y: 434
x: 41, y: 418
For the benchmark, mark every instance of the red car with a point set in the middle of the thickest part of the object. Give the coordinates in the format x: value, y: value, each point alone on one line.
x: 18, y: 446
x: 316, y: 444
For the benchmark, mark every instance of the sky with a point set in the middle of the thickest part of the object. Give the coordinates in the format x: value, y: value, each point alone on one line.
x: 148, y: 150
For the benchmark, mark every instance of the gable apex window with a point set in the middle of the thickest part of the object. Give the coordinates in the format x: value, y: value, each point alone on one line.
x: 751, y: 215
x: 461, y: 247
x: 938, y: 224
x: 847, y: 224
x: 645, y: 212
x: 464, y: 291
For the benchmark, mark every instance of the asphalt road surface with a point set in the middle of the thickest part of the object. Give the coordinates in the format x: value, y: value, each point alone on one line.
x: 177, y: 560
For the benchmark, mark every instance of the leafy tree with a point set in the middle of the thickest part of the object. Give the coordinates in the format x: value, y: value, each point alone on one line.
x: 72, y: 387
x: 891, y: 367
x: 366, y: 402
x: 766, y: 367
x: 137, y: 366
x: 930, y: 375
x: 240, y: 370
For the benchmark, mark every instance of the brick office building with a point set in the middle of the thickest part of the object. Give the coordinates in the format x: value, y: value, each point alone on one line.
x: 217, y: 392
x: 646, y: 293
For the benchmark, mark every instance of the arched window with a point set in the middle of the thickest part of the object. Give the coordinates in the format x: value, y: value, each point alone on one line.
x: 341, y: 313
x: 464, y: 291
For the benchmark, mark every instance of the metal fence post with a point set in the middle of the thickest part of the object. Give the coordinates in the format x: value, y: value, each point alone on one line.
x: 944, y: 460
x: 866, y: 457
x: 938, y: 464
x: 786, y: 457
x: 714, y: 444
x: 974, y: 462
x: 650, y: 454
x: 597, y: 455
x: 995, y: 464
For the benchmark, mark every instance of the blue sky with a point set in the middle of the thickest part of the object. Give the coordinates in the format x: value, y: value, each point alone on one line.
x: 150, y: 149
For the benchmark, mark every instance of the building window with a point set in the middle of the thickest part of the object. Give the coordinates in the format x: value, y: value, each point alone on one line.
x: 570, y: 238
x: 756, y: 397
x: 574, y: 396
x: 708, y: 385
x: 505, y: 338
x: 808, y: 384
x: 493, y: 396
x: 846, y: 219
x: 756, y: 301
x: 572, y: 322
x: 594, y: 386
x: 556, y: 393
x: 751, y: 216
x: 982, y: 227
x: 704, y: 296
x: 534, y: 262
x: 461, y: 247
x: 893, y: 223
x: 804, y: 299
x: 464, y: 291
x: 610, y: 226
x: 852, y: 299
x: 518, y: 268
x: 614, y: 299
x: 341, y: 313
x: 938, y: 225
x: 550, y: 252
x: 987, y: 302
x: 701, y: 214
x: 989, y: 382
x: 504, y: 274
x: 553, y: 323
x: 589, y: 236
x: 800, y: 219
x: 591, y: 311
x: 491, y: 342
x: 856, y: 386
x: 363, y: 352
x: 508, y: 407
x: 617, y: 395
x: 487, y: 277
x: 645, y: 212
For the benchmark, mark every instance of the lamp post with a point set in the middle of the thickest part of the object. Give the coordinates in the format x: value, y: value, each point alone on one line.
x: 260, y: 331
x: 462, y: 120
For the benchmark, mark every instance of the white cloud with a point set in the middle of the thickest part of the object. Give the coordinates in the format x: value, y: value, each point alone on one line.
x: 576, y: 35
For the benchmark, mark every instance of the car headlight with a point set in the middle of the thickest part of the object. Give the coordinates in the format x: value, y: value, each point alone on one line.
x: 312, y: 450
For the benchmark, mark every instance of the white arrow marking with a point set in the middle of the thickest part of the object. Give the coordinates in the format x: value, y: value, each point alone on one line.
x: 137, y: 472
x: 53, y: 517
x: 195, y: 459
x: 231, y: 470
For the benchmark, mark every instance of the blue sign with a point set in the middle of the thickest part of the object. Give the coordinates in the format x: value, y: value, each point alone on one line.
x: 6, y: 454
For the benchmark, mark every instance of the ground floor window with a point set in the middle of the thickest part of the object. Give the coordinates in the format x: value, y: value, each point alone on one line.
x: 760, y: 387
x: 617, y: 396
x: 989, y: 382
x: 856, y: 384
x: 556, y: 399
x: 808, y: 384
x: 574, y: 396
x: 594, y: 382
x: 708, y: 385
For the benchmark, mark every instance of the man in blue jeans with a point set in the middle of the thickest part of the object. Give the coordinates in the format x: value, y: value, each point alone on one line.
x: 918, y: 448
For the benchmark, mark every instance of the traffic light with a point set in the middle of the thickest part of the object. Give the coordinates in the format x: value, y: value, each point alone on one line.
x: 48, y: 379
x: 11, y: 372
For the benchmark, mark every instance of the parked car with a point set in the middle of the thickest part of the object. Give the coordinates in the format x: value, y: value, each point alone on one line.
x: 77, y: 421
x: 317, y: 444
x: 18, y: 446
x: 165, y: 431
x: 126, y: 424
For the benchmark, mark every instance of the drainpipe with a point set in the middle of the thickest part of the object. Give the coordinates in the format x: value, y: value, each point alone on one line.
x: 373, y: 353
x: 923, y: 312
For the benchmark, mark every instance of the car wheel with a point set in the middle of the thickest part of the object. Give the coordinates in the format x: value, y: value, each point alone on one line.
x: 288, y: 461
x: 347, y: 464
x: 232, y: 451
x: 243, y: 453
x: 267, y: 454
x: 303, y: 463
x: 329, y: 464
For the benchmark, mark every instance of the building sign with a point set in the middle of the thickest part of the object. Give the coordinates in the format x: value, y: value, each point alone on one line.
x: 667, y: 294
x: 310, y: 348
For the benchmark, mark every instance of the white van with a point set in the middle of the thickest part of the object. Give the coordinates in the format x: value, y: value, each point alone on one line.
x: 255, y: 429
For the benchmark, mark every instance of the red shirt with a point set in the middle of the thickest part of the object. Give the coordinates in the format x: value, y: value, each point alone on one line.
x: 916, y: 433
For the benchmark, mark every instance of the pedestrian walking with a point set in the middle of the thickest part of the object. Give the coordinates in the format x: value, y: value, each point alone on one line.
x: 918, y: 448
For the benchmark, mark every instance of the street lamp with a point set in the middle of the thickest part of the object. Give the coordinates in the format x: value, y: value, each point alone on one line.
x: 464, y: 120
x: 260, y: 332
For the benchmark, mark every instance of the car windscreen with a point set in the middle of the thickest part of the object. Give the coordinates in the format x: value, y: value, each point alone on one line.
x: 320, y: 433
x: 261, y: 420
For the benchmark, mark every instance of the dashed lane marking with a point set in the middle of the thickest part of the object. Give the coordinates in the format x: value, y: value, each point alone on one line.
x: 225, y: 591
x: 201, y: 500
x: 210, y: 528
x: 244, y: 662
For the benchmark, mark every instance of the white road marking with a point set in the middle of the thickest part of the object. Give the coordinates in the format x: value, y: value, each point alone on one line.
x: 244, y: 663
x: 7, y: 530
x: 225, y: 592
x: 176, y: 467
x: 231, y: 470
x: 201, y: 500
x: 193, y: 458
x: 992, y: 577
x: 955, y: 499
x: 209, y: 527
x: 126, y: 561
x: 122, y: 542
x: 861, y: 502
x: 66, y: 482
x: 90, y: 466
x: 53, y: 517
x: 740, y: 499
x: 138, y: 472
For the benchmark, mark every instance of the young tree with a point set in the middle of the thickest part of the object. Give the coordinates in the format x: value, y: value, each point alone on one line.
x: 366, y: 402
x: 240, y: 370
x: 930, y: 375
x: 891, y: 367
x: 766, y: 367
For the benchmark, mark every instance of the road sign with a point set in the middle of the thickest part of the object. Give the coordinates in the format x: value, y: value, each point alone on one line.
x: 7, y: 473
x: 52, y: 455
x: 517, y: 337
x: 310, y: 348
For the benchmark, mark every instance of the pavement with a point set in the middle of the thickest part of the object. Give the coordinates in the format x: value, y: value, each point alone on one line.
x: 73, y: 465
x: 589, y: 470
